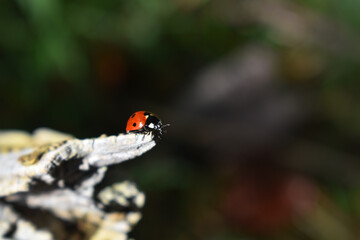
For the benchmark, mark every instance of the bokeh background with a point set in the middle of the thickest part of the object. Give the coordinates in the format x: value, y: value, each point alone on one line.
x: 262, y: 97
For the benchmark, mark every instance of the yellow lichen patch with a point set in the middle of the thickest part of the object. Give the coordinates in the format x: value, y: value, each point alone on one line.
x: 133, y: 217
x: 108, y: 234
x: 33, y: 157
x: 14, y: 140
x: 44, y: 136
x: 114, y: 217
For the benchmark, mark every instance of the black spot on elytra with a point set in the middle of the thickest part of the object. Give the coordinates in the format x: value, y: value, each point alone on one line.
x: 134, y: 124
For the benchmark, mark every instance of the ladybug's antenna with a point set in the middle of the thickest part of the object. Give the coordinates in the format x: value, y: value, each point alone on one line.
x: 164, y: 126
x: 161, y: 131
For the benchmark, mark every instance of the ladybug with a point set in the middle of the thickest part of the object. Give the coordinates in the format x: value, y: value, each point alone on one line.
x: 145, y: 122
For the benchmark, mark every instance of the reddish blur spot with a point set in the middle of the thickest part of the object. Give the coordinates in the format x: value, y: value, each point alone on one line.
x: 110, y: 68
x: 263, y: 202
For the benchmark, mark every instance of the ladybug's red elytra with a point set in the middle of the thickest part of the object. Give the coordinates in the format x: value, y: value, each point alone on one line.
x: 144, y: 122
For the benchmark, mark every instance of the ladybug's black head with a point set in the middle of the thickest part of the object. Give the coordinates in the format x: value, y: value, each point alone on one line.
x: 153, y: 124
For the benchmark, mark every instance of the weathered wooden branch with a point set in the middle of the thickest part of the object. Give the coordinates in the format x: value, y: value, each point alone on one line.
x: 60, y: 178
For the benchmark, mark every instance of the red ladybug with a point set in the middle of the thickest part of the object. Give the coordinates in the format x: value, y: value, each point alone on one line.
x: 145, y: 122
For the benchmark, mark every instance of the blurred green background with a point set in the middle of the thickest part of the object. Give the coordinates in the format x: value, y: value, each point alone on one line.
x: 262, y: 97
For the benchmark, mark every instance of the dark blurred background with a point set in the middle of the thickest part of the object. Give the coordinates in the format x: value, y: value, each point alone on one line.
x: 262, y: 97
